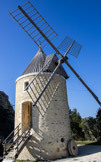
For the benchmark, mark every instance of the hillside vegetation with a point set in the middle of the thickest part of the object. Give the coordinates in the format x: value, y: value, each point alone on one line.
x: 6, y: 116
x: 85, y: 128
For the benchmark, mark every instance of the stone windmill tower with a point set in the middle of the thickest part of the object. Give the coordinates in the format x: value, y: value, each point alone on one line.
x: 42, y: 129
x: 50, y: 126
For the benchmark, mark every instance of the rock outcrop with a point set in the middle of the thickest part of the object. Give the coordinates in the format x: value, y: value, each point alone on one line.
x: 6, y: 116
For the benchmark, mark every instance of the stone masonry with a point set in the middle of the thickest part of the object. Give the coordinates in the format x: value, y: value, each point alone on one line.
x: 49, y: 135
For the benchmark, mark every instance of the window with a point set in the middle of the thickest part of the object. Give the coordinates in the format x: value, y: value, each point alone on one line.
x: 26, y: 84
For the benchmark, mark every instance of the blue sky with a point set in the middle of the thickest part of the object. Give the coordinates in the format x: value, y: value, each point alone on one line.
x: 79, y: 19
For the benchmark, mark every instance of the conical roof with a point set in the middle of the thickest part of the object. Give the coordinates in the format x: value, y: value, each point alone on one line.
x: 40, y: 60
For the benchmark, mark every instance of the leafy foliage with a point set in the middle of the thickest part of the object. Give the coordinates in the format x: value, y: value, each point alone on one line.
x: 87, y: 128
x: 75, y: 121
x: 98, y: 124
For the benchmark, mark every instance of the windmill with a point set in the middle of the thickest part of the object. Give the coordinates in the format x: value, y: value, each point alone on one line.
x: 41, y: 37
x: 42, y: 88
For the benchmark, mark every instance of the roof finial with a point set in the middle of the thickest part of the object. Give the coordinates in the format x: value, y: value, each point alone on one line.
x: 40, y: 45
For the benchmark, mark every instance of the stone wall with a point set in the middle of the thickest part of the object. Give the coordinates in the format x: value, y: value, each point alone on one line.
x: 51, y: 133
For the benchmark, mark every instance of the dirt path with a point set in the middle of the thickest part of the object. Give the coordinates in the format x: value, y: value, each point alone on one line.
x: 88, y: 153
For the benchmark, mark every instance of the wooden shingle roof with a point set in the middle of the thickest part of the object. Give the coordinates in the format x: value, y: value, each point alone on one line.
x: 40, y: 60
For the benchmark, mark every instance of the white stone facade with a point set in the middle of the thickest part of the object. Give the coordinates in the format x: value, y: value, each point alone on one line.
x: 51, y: 133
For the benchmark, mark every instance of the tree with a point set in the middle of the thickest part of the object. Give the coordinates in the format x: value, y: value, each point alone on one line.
x: 98, y: 123
x: 89, y: 128
x: 75, y: 121
x: 6, y: 116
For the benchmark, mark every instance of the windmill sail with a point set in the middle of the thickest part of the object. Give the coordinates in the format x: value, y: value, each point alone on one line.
x: 66, y: 43
x: 42, y: 89
x: 26, y: 14
x: 42, y: 36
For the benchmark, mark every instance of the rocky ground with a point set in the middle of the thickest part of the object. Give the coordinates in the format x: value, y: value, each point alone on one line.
x: 87, y: 153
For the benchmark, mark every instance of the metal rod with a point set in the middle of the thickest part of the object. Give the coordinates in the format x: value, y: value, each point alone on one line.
x: 46, y: 91
x: 47, y: 42
x: 36, y: 18
x: 52, y: 97
x: 36, y: 97
x: 47, y: 31
x: 50, y: 34
x: 27, y: 8
x: 9, y: 147
x: 45, y: 80
x: 36, y: 35
x: 20, y: 18
x: 39, y: 111
x: 41, y: 24
x: 26, y: 25
x: 10, y: 140
x: 14, y: 11
x: 38, y: 83
x: 55, y: 81
x: 44, y: 44
x: 39, y: 21
x: 50, y: 78
x: 23, y: 21
x: 81, y: 80
x: 49, y: 89
x: 42, y: 17
x: 40, y: 32
x: 52, y: 85
x: 30, y: 96
x: 23, y: 28
x: 53, y: 37
x: 30, y: 11
x: 69, y: 48
x: 57, y: 51
x: 18, y: 14
x: 24, y: 4
x: 33, y: 92
x: 12, y: 132
x: 41, y: 105
x: 42, y: 41
x: 43, y: 94
x: 48, y: 98
x: 38, y: 38
x: 33, y: 31
x: 35, y: 88
x: 30, y: 28
x: 45, y: 27
x: 33, y: 14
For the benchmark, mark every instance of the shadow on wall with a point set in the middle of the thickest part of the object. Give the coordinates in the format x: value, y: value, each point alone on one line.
x: 52, y: 148
x: 35, y: 149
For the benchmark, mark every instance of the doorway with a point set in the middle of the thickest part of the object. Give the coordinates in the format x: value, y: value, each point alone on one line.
x: 26, y: 115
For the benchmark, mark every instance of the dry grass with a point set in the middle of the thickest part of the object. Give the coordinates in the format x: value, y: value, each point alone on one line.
x: 84, y: 142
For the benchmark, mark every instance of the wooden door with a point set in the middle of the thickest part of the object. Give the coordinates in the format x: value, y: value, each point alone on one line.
x: 26, y: 115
